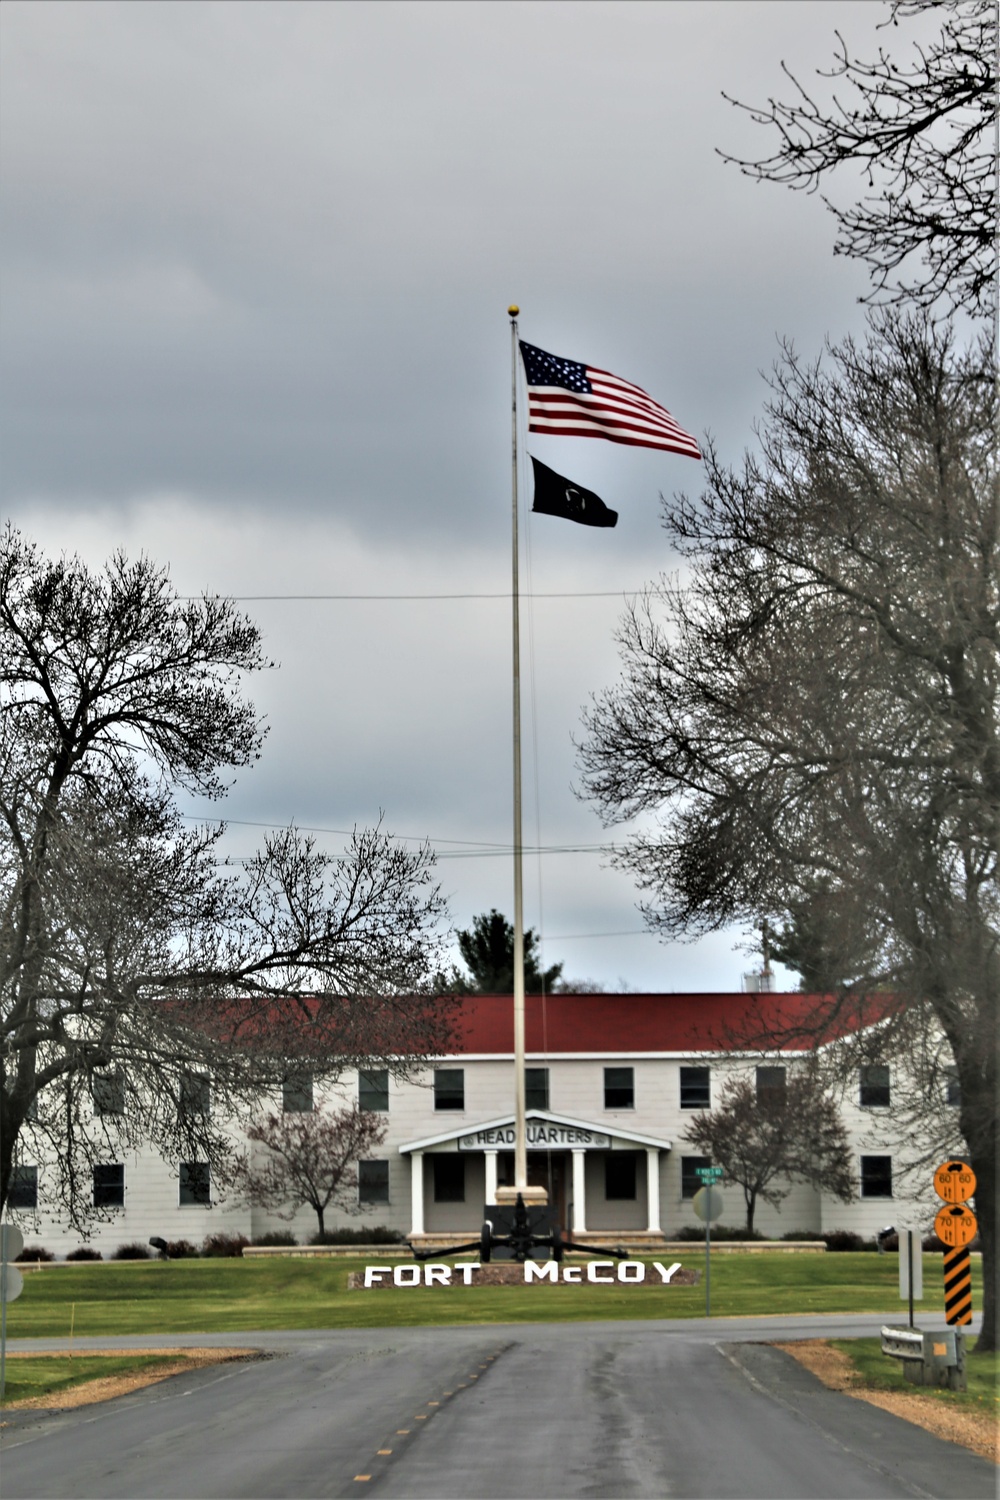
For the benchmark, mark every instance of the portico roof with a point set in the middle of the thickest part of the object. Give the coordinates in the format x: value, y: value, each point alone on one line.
x: 545, y: 1116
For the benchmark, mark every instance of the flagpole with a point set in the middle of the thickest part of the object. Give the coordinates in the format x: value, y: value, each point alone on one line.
x: 520, y: 1129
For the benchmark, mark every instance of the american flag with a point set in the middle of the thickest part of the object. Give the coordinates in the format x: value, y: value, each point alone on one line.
x: 569, y: 399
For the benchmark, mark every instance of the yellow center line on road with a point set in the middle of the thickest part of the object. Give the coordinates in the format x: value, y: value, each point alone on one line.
x: 360, y: 1478
x: 384, y: 1451
x: 402, y: 1432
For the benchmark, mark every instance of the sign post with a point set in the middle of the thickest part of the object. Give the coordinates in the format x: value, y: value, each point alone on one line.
x: 911, y: 1268
x: 707, y: 1204
x: 11, y: 1287
x: 956, y: 1226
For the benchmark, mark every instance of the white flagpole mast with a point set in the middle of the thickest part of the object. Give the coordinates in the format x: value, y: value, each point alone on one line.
x: 520, y: 1132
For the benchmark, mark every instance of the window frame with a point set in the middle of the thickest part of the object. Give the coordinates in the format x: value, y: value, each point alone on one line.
x: 192, y: 1188
x: 867, y: 1179
x: 868, y: 1085
x: 688, y: 1178
x: 773, y: 1093
x: 368, y: 1090
x: 110, y: 1194
x: 23, y: 1176
x: 114, y: 1082
x: 611, y: 1088
x: 375, y: 1191
x: 445, y: 1101
x: 688, y: 1085
x: 298, y: 1086
x: 185, y: 1091
x: 540, y: 1090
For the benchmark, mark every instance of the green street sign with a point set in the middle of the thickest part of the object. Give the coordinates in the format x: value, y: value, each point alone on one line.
x: 709, y: 1174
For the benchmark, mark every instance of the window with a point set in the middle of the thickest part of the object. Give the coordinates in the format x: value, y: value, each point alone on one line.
x: 194, y: 1094
x: 449, y: 1090
x: 952, y: 1088
x: 449, y: 1178
x: 108, y: 1093
x: 619, y: 1175
x: 619, y: 1088
x: 876, y: 1177
x: 373, y: 1089
x: 536, y: 1088
x: 373, y: 1182
x: 696, y: 1088
x: 23, y: 1189
x: 297, y: 1094
x: 771, y: 1084
x: 875, y: 1086
x: 195, y: 1187
x: 109, y: 1185
x: 689, y: 1182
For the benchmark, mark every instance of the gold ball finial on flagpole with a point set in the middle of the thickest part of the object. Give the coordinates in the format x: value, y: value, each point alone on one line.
x: 513, y: 309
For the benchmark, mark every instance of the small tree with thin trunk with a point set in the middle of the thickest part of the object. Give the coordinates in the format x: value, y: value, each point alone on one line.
x: 311, y: 1161
x: 765, y: 1140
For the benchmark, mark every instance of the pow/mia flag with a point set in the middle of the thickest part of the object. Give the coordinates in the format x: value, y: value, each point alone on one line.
x: 556, y: 496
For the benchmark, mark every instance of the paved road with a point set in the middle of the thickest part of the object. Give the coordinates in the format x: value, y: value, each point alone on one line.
x: 576, y: 1410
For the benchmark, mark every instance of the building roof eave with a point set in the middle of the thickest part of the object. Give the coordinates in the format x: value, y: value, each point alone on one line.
x: 634, y: 1137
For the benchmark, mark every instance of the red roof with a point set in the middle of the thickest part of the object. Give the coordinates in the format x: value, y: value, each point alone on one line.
x: 604, y: 1023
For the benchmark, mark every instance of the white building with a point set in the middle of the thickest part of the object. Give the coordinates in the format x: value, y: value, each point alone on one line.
x: 613, y: 1082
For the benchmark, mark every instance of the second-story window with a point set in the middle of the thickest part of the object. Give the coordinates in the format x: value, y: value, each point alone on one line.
x: 696, y: 1088
x: 297, y: 1094
x: 108, y: 1093
x: 771, y: 1086
x: 449, y: 1088
x: 619, y: 1088
x: 373, y: 1089
x: 874, y: 1089
x: 536, y: 1088
x: 195, y: 1094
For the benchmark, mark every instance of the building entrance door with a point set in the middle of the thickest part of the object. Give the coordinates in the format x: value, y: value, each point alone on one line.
x: 546, y: 1169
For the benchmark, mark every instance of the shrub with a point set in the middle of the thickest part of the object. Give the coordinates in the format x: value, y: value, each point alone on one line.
x: 719, y: 1232
x: 35, y: 1253
x: 377, y: 1235
x: 224, y: 1244
x: 182, y: 1250
x: 135, y: 1250
x: 802, y: 1234
x: 844, y: 1239
x: 275, y: 1237
x: 85, y: 1252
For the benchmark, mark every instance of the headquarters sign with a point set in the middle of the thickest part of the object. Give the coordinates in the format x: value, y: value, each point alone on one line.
x: 542, y: 1136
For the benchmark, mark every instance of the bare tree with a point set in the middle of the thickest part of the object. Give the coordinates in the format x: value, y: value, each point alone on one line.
x: 311, y: 1160
x: 765, y: 1140
x: 923, y: 132
x: 811, y: 715
x: 131, y: 957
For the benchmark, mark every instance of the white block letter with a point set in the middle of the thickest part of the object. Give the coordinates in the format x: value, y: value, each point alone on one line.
x: 437, y: 1275
x: 546, y: 1271
x: 572, y: 1273
x: 631, y: 1270
x: 593, y: 1267
x: 374, y: 1274
x: 665, y: 1273
x: 467, y: 1267
x: 406, y: 1275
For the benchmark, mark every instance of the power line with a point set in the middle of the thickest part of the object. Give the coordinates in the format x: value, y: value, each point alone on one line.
x: 471, y: 848
x: 354, y: 598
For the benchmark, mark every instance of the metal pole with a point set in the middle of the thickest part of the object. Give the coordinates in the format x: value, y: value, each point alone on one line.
x: 909, y: 1268
x: 708, y: 1253
x: 3, y: 1326
x: 520, y: 1138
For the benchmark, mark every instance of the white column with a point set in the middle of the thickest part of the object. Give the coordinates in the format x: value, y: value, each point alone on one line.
x: 579, y: 1192
x: 491, y: 1176
x: 417, y: 1191
x: 653, y: 1189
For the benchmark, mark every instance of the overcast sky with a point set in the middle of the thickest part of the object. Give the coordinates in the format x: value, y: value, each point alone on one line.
x: 256, y: 265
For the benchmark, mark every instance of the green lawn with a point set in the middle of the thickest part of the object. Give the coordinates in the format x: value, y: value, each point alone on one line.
x: 26, y: 1378
x: 221, y: 1296
x: 881, y: 1373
